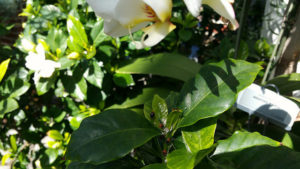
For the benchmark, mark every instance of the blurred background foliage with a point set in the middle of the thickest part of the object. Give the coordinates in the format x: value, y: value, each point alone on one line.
x: 96, y: 72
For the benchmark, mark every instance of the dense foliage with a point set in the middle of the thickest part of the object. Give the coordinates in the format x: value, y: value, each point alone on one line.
x: 105, y: 104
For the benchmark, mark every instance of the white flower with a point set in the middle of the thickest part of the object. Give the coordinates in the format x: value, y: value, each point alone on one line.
x: 38, y: 63
x: 123, y: 17
x: 222, y: 7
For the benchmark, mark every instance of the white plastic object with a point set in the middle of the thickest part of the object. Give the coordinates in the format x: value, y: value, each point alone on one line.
x: 262, y: 102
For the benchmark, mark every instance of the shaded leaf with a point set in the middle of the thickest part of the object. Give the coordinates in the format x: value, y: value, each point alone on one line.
x: 123, y: 80
x: 165, y: 64
x: 146, y: 95
x: 264, y: 157
x: 155, y: 166
x: 109, y: 135
x: 8, y: 105
x: 286, y: 83
x: 214, y: 89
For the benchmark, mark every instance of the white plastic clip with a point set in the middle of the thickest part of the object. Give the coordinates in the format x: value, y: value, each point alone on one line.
x: 262, y: 102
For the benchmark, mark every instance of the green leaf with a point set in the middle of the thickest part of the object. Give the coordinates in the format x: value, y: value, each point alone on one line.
x: 8, y: 105
x: 183, y: 159
x: 54, y: 134
x: 262, y: 157
x: 185, y: 34
x: 52, y: 155
x: 214, y: 89
x: 123, y: 80
x: 160, y: 109
x: 286, y: 83
x: 94, y: 74
x: 13, y: 143
x: 242, y: 140
x: 76, y: 31
x: 124, y: 163
x: 97, y: 33
x: 165, y: 64
x: 108, y: 136
x: 136, y: 100
x: 14, y: 87
x: 50, y: 12
x: 155, y: 166
x: 3, y: 68
x: 200, y: 136
x: 75, y: 85
x: 57, y: 39
x: 45, y: 84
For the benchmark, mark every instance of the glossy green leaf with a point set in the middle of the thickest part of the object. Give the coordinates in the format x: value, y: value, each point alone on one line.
x: 108, y: 136
x: 94, y: 74
x: 183, y: 159
x: 242, y: 140
x: 214, y: 89
x: 54, y: 134
x: 14, y: 87
x: 199, y: 136
x: 13, y: 143
x: 155, y: 166
x: 136, y: 100
x: 57, y: 39
x: 262, y: 157
x: 3, y: 68
x: 50, y: 12
x: 124, y: 163
x: 97, y: 33
x: 45, y: 84
x: 123, y: 80
x: 77, y: 32
x: 165, y: 64
x: 8, y: 105
x: 75, y: 85
x: 286, y: 83
x: 160, y: 109
x: 52, y: 155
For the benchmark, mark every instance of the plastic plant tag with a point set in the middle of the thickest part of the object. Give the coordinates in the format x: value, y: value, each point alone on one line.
x: 262, y: 102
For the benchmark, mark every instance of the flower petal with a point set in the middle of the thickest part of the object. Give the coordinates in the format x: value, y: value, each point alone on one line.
x: 48, y: 68
x: 104, y: 8
x: 193, y: 6
x: 131, y: 12
x: 162, y: 8
x: 225, y: 9
x: 115, y: 29
x: 33, y: 61
x: 155, y: 33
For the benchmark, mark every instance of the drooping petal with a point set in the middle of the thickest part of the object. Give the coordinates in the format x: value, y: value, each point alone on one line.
x: 225, y: 9
x: 131, y: 12
x: 104, y: 8
x: 155, y: 33
x: 162, y: 8
x: 193, y: 6
x: 115, y: 29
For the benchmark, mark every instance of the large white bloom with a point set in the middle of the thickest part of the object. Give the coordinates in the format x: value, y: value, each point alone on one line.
x: 222, y: 7
x: 38, y: 63
x: 122, y: 17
